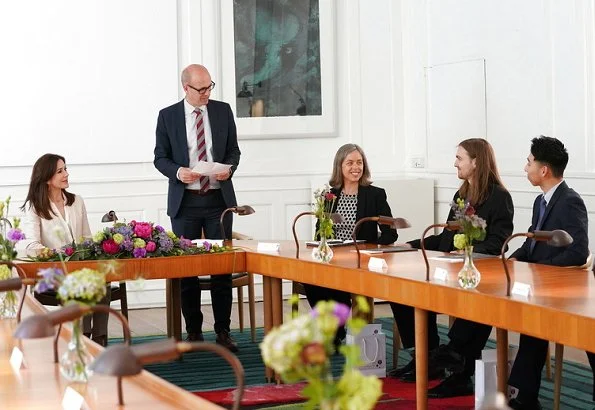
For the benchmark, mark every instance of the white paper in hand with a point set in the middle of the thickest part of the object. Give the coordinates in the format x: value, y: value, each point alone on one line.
x: 210, y: 168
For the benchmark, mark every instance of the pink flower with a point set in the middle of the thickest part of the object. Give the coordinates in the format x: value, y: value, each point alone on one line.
x: 470, y: 211
x: 110, y: 247
x: 330, y: 196
x: 69, y: 251
x: 143, y: 230
x: 151, y: 246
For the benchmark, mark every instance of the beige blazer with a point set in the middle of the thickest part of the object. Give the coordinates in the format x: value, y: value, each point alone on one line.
x: 58, y: 231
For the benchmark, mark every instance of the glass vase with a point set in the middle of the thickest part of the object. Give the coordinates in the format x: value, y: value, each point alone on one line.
x: 75, y: 361
x: 469, y: 276
x: 8, y: 305
x: 323, y: 253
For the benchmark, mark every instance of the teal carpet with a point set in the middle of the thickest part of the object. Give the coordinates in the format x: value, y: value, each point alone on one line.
x: 199, y: 371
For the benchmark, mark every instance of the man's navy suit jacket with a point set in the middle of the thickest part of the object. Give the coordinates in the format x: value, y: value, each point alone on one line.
x: 566, y: 210
x: 171, y: 148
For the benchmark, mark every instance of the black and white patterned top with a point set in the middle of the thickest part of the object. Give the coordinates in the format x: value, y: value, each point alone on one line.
x: 347, y: 208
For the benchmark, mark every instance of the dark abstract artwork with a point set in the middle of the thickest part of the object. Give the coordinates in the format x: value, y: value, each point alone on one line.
x: 277, y: 58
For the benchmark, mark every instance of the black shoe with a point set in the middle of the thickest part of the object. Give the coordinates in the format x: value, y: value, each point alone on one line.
x: 446, y: 357
x: 454, y: 385
x: 195, y: 337
x: 397, y: 373
x: 516, y: 404
x: 434, y: 373
x: 225, y: 340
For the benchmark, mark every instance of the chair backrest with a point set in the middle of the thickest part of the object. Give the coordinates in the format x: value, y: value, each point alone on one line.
x: 234, y: 235
x: 240, y: 236
x: 588, y: 265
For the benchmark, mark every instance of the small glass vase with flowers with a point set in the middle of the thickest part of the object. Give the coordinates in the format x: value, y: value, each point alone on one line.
x: 324, y: 201
x: 84, y: 286
x: 472, y: 228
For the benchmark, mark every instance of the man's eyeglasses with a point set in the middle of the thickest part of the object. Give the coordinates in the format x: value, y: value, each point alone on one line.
x: 204, y: 89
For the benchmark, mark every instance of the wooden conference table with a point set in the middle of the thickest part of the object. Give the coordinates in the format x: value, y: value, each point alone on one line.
x: 561, y: 307
x: 40, y: 385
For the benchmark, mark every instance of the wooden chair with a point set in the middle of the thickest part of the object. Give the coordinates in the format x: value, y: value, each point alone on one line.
x: 50, y: 298
x: 559, y: 353
x: 238, y: 281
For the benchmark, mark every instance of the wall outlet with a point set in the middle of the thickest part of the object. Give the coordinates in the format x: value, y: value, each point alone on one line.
x: 418, y: 162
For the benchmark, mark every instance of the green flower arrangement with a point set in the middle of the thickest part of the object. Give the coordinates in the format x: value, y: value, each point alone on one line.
x: 300, y: 349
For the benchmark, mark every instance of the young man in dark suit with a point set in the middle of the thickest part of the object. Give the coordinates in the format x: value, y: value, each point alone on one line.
x: 559, y: 207
x: 192, y: 130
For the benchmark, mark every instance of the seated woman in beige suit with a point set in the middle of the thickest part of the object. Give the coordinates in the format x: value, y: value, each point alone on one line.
x: 56, y: 217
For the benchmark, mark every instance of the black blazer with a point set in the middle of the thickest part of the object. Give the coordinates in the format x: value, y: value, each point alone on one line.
x: 498, y: 212
x: 171, y: 148
x: 371, y: 201
x: 566, y: 210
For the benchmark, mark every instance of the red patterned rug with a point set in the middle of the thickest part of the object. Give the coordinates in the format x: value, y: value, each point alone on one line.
x: 397, y: 395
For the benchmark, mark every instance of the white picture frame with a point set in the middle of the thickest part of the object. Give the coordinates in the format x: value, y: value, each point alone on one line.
x: 308, y: 126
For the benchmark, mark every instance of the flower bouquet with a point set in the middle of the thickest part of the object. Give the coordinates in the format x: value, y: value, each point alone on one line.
x: 300, y: 349
x: 128, y: 240
x: 472, y: 228
x: 324, y: 201
x: 84, y: 286
x: 10, y: 234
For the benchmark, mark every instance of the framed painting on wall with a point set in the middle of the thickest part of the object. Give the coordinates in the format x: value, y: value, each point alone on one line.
x: 280, y: 54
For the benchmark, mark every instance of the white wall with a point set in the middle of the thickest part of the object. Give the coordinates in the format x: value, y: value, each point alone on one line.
x: 400, y: 70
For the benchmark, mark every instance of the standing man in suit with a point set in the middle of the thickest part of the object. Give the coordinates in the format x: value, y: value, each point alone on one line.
x: 192, y: 130
x: 559, y: 207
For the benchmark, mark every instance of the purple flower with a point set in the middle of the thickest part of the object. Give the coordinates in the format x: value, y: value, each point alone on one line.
x: 159, y: 228
x: 41, y: 287
x: 185, y: 243
x: 207, y: 246
x: 127, y: 244
x: 51, y: 278
x: 124, y: 230
x: 50, y: 274
x: 165, y: 243
x: 341, y: 312
x: 15, y: 235
x: 139, y: 252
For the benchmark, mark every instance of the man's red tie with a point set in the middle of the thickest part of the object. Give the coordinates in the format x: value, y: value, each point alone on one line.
x: 202, y: 147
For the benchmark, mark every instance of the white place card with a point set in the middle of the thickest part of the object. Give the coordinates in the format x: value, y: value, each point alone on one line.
x: 441, y: 274
x: 17, y: 360
x: 521, y: 289
x: 377, y: 264
x: 268, y: 247
x: 72, y: 400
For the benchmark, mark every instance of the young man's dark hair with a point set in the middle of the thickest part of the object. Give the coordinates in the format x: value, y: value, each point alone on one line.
x: 551, y: 152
